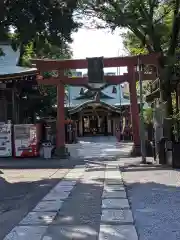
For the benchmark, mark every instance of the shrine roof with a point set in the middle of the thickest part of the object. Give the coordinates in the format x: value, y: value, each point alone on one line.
x: 14, y: 71
x: 8, y: 63
x: 91, y: 103
x: 114, y: 99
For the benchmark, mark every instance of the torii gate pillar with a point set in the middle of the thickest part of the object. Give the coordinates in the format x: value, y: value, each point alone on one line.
x: 134, y: 111
x: 60, y: 130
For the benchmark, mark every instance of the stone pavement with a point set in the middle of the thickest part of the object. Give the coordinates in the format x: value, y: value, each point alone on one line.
x: 86, y: 148
x: 105, y: 197
x: 21, y: 190
x: 89, y: 203
x: 154, y: 196
x: 99, y: 200
x: 99, y: 147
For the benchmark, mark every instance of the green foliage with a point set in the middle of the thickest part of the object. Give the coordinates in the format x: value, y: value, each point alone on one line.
x: 148, y: 115
x: 42, y: 29
x: 154, y: 26
x: 132, y: 44
x: 145, y: 88
x: 150, y: 22
x: 136, y: 46
x: 41, y: 23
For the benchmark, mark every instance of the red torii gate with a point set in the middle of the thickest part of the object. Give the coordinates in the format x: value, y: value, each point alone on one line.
x: 60, y: 80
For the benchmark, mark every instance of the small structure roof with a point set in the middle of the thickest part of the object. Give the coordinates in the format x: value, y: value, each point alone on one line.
x: 14, y: 71
x: 8, y: 63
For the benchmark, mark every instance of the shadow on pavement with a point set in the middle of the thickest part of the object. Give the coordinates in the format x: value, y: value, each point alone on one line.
x: 156, y: 210
x: 80, y: 212
x: 17, y: 199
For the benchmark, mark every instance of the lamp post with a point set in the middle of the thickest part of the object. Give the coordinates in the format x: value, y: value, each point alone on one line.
x: 142, y: 128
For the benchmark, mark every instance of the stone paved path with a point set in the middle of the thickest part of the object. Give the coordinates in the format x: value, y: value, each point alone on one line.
x: 106, y: 198
x: 89, y: 203
x: 154, y: 195
x: 99, y: 146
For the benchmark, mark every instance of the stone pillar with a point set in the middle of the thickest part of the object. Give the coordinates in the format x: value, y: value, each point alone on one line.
x: 60, y: 123
x: 134, y: 110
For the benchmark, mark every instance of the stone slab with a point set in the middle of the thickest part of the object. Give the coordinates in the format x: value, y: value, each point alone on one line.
x: 48, y: 206
x: 119, y: 187
x: 114, y: 194
x: 59, y: 189
x: 113, y: 181
x: 52, y: 196
x: 66, y: 183
x: 38, y: 218
x: 114, y: 232
x: 115, y: 203
x: 68, y: 232
x: 26, y: 233
x: 117, y: 216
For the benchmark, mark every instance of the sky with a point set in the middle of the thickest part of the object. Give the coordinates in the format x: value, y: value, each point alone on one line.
x: 97, y: 43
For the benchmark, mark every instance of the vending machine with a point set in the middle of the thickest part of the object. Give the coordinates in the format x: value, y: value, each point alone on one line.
x: 5, y: 140
x: 26, y: 140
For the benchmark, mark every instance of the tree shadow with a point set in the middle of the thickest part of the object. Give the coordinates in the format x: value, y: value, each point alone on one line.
x: 83, y: 205
x: 155, y: 207
x: 156, y: 210
x: 17, y: 199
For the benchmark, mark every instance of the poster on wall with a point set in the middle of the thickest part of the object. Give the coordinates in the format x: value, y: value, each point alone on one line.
x: 5, y: 140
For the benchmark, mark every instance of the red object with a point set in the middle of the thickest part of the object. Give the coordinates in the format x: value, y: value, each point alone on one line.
x: 48, y: 65
x: 60, y: 129
x: 130, y: 77
x: 27, y: 140
x: 134, y: 107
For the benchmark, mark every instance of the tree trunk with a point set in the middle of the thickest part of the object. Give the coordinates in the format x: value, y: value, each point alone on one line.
x: 22, y: 51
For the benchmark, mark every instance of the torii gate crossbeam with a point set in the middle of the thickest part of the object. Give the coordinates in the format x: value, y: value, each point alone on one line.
x: 131, y: 77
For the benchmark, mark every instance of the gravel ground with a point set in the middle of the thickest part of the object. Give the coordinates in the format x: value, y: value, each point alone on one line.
x: 154, y: 195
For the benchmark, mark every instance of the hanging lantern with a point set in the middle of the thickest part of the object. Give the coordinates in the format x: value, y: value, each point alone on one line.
x: 81, y: 91
x: 114, y: 90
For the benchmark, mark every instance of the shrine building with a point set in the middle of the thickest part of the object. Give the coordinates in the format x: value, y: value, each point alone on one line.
x: 106, y: 112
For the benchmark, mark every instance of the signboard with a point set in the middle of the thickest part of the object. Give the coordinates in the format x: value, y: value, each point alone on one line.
x: 96, y: 73
x: 95, y: 70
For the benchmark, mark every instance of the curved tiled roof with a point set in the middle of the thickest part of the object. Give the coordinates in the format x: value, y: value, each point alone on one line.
x: 114, y: 99
x: 8, y: 63
x: 93, y: 102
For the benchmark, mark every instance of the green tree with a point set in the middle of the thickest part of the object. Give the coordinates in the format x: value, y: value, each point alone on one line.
x: 155, y: 23
x: 148, y: 115
x: 41, y: 101
x: 40, y: 21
